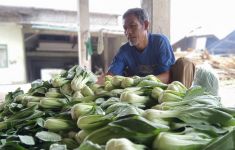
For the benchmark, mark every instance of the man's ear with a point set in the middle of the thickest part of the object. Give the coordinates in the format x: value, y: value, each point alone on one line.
x: 146, y: 25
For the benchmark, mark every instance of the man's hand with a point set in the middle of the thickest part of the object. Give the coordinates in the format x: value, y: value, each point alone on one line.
x: 101, y: 78
x: 164, y: 77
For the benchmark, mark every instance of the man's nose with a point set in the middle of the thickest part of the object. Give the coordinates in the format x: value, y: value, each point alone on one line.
x: 128, y: 31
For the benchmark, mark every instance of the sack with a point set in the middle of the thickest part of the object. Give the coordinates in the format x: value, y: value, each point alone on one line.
x: 207, y: 78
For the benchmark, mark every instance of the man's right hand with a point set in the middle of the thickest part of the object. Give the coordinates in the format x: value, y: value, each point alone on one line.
x: 102, y: 77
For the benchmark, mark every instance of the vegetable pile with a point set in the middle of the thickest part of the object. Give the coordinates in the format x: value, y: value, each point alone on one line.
x: 71, y: 111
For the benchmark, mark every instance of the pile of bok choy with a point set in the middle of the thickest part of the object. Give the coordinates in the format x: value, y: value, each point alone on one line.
x: 71, y: 111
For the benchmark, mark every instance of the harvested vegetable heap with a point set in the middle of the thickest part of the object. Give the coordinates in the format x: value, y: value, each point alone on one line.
x: 71, y: 111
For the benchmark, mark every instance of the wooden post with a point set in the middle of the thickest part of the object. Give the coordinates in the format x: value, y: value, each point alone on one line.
x: 84, y: 59
x: 159, y: 15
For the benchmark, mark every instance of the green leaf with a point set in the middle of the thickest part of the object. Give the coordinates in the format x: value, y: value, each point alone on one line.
x: 58, y: 147
x: 48, y: 136
x: 28, y: 140
x: 194, y: 92
x: 88, y: 145
x: 9, y: 98
x: 141, y: 125
x: 3, y: 141
x: 36, y: 83
x: 226, y: 142
x: 209, y: 129
x: 12, y: 146
x: 40, y: 122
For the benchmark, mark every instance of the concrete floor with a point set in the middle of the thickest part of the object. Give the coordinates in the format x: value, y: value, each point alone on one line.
x: 228, y: 96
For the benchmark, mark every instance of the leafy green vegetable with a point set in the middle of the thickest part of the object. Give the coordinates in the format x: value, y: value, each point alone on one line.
x: 48, y: 136
x: 88, y: 145
x: 223, y: 142
x: 28, y: 140
x: 185, y: 140
x: 123, y: 144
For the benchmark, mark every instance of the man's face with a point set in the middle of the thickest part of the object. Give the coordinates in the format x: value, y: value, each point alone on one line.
x: 134, y: 30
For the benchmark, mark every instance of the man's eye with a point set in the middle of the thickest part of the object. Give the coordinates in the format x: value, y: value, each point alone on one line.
x: 133, y: 26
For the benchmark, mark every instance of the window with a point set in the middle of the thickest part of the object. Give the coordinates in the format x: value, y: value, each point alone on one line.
x: 3, y: 56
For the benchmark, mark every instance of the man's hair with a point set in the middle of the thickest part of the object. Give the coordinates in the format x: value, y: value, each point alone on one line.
x: 140, y: 14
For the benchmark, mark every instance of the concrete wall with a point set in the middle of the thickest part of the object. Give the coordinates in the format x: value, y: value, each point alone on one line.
x: 11, y: 35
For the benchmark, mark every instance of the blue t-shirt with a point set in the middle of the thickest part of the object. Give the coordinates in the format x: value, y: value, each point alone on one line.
x: 156, y: 58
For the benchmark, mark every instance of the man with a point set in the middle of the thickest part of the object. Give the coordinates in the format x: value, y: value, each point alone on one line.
x: 144, y: 53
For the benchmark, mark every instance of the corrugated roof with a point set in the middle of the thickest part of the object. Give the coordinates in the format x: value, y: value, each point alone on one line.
x: 224, y: 46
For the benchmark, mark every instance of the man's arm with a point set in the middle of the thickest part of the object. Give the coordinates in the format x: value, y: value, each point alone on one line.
x: 164, y: 77
x: 165, y: 59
